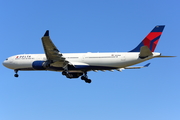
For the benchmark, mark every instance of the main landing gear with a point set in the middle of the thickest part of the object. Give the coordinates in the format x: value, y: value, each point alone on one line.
x: 85, y: 78
x: 76, y: 75
x: 16, y: 75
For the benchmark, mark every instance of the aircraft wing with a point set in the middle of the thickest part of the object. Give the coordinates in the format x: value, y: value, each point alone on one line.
x: 53, y: 55
x: 112, y: 69
x: 134, y: 67
x: 137, y: 67
x: 120, y: 69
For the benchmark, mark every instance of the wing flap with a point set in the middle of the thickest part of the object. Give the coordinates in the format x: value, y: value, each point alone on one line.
x: 79, y: 64
x: 121, y: 69
x: 137, y: 67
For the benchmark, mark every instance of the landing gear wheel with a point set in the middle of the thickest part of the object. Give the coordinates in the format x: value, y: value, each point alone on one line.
x: 88, y: 80
x: 64, y: 73
x: 83, y: 78
x: 16, y: 75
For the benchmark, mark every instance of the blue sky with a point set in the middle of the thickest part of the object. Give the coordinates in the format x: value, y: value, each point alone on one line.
x: 90, y: 26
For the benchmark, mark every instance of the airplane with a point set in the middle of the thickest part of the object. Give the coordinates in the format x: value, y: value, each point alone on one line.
x: 75, y: 65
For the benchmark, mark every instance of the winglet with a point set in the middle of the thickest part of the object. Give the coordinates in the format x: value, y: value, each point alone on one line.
x: 147, y: 65
x: 46, y: 33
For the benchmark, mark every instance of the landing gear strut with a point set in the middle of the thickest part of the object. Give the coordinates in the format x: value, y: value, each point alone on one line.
x: 65, y: 72
x: 16, y: 75
x: 85, y: 78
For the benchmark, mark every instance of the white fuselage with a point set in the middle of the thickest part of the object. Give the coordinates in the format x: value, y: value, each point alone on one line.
x: 115, y: 60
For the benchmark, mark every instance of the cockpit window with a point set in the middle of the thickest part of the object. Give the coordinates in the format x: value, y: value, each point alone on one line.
x: 7, y: 59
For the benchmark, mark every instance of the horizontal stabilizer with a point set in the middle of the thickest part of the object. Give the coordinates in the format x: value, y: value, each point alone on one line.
x: 163, y: 56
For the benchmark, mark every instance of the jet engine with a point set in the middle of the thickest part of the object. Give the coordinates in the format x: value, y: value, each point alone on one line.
x: 40, y: 65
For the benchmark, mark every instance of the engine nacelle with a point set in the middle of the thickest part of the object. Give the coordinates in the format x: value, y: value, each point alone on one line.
x: 73, y: 75
x: 40, y: 65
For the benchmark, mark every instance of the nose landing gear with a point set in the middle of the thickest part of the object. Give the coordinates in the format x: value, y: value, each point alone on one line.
x: 16, y: 73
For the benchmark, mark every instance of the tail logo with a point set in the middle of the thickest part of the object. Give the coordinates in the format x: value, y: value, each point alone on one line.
x: 151, y: 40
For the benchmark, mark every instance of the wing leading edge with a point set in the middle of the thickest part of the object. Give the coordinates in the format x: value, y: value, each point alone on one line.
x: 53, y: 55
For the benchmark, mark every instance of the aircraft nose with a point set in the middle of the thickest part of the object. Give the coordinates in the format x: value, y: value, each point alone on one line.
x: 9, y: 63
x: 5, y: 63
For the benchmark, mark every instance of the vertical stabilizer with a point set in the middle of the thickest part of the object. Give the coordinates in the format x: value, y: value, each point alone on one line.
x: 151, y: 40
